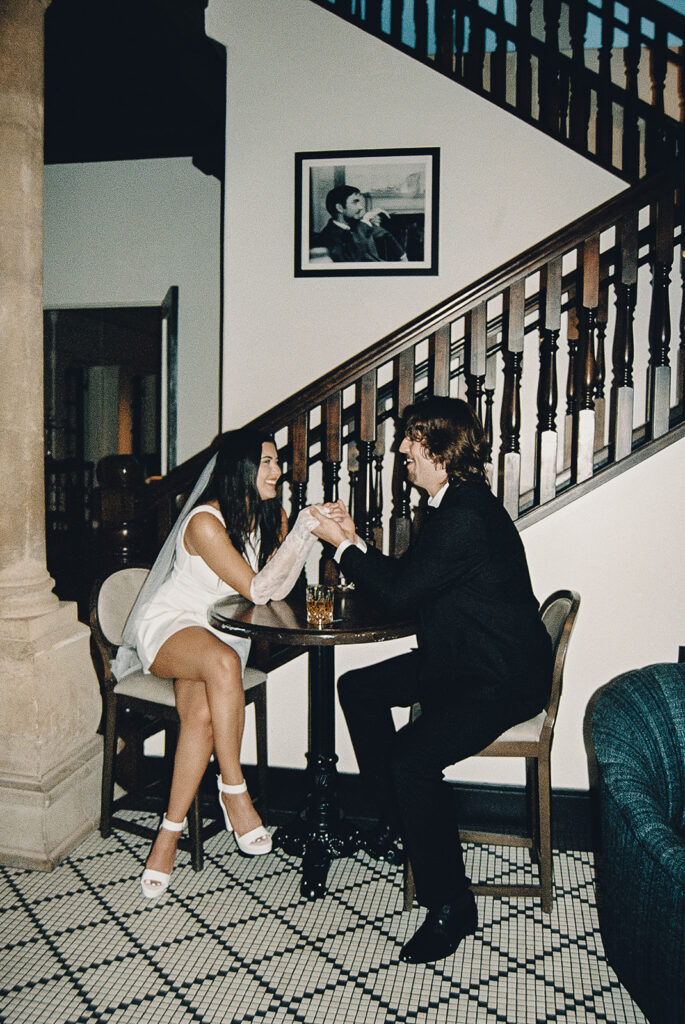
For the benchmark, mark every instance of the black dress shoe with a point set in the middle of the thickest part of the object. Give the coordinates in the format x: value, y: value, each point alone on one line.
x: 381, y: 844
x: 441, y: 932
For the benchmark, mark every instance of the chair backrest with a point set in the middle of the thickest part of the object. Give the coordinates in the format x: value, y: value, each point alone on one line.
x: 558, y: 614
x: 111, y: 602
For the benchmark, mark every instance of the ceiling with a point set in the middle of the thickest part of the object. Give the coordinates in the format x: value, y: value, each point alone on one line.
x: 132, y: 80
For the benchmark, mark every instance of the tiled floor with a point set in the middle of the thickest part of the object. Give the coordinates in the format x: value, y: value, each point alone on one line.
x: 237, y: 943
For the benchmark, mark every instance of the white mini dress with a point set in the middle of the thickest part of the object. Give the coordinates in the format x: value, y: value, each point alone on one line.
x: 184, y: 599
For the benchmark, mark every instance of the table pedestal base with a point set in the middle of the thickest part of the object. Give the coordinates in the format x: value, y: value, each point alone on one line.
x: 322, y: 834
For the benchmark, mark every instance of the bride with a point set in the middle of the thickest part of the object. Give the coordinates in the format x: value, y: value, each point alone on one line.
x: 233, y: 540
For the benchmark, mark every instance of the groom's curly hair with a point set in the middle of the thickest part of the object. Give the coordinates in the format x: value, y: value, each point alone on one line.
x: 452, y: 433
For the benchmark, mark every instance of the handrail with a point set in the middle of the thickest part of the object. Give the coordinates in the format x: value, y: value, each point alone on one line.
x: 528, y: 262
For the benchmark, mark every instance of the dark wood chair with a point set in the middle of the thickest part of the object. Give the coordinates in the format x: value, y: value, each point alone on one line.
x: 142, y: 705
x: 532, y: 740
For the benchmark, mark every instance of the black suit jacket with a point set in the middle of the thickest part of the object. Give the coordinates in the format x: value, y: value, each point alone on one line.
x: 465, y: 581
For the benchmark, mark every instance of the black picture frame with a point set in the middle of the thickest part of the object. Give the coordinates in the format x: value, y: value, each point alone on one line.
x: 400, y: 189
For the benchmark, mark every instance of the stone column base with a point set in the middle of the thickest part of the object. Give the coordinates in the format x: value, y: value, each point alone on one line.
x: 51, y: 755
x: 43, y: 820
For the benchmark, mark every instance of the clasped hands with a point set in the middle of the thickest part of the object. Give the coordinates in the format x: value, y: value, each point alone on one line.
x: 334, y: 523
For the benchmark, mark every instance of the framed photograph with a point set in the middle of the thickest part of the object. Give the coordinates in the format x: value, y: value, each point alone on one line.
x: 366, y: 211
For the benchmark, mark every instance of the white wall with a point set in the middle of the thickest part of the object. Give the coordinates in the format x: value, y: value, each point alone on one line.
x: 301, y: 79
x: 120, y: 234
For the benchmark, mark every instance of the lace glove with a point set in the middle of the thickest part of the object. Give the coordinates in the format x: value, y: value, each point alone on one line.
x: 278, y: 577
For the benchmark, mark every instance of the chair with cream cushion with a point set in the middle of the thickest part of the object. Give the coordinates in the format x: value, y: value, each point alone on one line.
x: 533, y: 741
x: 149, y: 702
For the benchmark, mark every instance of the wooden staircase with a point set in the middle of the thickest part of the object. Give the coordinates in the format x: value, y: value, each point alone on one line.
x: 603, y: 78
x: 566, y: 352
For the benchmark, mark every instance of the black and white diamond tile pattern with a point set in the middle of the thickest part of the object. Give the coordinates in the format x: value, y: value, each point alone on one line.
x: 237, y: 943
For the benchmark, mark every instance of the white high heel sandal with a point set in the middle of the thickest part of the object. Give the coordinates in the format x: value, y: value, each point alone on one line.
x: 154, y: 883
x: 253, y: 843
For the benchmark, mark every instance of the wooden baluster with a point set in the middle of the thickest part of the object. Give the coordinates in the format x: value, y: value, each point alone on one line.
x: 421, y: 27
x: 630, y: 155
x: 509, y: 484
x: 439, y: 361
x: 659, y: 331
x: 331, y: 445
x: 622, y: 392
x: 444, y: 36
x: 582, y: 461
x: 396, y: 14
x: 475, y: 58
x: 604, y: 126
x: 548, y: 81
x: 377, y: 505
x: 476, y: 356
x: 366, y: 403
x: 600, y: 365
x: 331, y: 456
x: 680, y: 79
x: 524, y: 70
x: 680, y: 394
x: 657, y: 145
x: 353, y: 476
x: 400, y: 519
x: 547, y: 440
x: 579, y: 117
x: 572, y: 335
x: 459, y: 36
x: 298, y: 438
x: 498, y: 59
x: 490, y: 382
x: 373, y: 16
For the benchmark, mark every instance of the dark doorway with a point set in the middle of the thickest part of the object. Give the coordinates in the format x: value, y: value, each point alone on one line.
x: 110, y: 389
x: 102, y: 384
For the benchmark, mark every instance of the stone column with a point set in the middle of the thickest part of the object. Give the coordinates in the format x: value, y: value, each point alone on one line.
x: 49, y: 698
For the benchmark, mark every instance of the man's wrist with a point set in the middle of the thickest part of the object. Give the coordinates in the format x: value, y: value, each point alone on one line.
x: 347, y: 543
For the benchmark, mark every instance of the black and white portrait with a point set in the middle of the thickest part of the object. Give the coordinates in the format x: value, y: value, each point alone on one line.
x: 366, y: 212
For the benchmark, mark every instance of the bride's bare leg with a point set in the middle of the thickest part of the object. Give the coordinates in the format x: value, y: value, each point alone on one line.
x: 195, y: 743
x: 196, y: 654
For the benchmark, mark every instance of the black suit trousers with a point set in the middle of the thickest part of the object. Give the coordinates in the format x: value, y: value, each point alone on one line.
x: 403, y: 769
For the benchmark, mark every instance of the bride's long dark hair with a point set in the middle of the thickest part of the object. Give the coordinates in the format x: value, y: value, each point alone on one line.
x: 233, y: 484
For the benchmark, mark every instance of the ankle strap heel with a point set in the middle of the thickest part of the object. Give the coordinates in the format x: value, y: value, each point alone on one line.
x: 231, y: 790
x: 155, y: 883
x: 253, y: 843
x: 173, y: 826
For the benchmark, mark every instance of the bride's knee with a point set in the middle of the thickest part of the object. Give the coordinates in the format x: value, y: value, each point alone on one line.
x: 226, y: 666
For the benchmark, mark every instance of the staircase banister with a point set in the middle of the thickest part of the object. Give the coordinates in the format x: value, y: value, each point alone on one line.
x: 457, y: 305
x: 672, y: 21
x: 161, y: 494
x: 651, y: 10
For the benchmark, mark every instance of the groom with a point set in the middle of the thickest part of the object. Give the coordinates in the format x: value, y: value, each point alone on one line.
x: 484, y: 658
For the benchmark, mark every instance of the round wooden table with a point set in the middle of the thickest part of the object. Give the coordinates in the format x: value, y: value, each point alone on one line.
x: 323, y: 834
